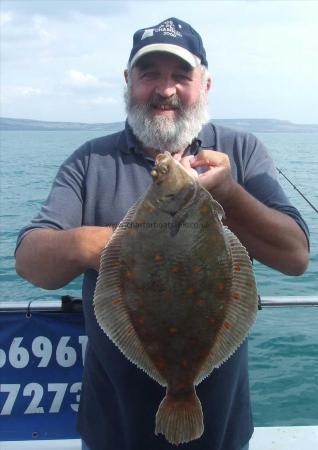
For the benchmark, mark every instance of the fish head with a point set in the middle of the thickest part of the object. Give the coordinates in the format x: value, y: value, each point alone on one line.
x: 173, y: 186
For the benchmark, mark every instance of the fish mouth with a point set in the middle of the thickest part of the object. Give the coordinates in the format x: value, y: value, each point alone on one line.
x: 162, y: 165
x: 177, y: 193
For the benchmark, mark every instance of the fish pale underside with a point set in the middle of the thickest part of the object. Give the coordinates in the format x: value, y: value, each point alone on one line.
x: 176, y: 292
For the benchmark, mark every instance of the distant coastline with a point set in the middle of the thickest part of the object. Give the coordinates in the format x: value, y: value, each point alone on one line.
x: 252, y: 125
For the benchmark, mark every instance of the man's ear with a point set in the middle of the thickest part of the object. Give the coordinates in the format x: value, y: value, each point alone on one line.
x: 208, y: 84
x: 126, y: 75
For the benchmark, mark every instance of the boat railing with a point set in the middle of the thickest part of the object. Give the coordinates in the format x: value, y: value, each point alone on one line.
x: 276, y: 301
x: 68, y: 303
x: 42, y: 351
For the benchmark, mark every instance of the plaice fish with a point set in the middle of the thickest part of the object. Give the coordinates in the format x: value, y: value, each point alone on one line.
x: 176, y: 292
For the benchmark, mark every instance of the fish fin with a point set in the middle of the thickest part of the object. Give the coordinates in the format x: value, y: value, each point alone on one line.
x: 241, y: 310
x: 180, y: 419
x: 218, y: 208
x: 214, y: 205
x: 109, y: 307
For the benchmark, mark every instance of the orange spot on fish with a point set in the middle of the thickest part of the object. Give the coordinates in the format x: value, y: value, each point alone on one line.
x: 115, y: 263
x: 236, y: 295
x: 141, y: 320
x: 196, y: 269
x: 212, y: 321
x: 204, y: 209
x: 174, y: 269
x: 221, y: 286
x: 130, y: 329
x: 227, y: 325
x: 172, y: 330
x: 157, y: 258
x: 129, y: 274
x: 116, y: 301
x: 190, y: 291
x: 237, y: 268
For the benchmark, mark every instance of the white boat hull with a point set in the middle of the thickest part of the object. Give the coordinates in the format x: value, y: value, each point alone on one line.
x: 264, y: 438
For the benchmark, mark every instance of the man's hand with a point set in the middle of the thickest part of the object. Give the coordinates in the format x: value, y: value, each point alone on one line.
x: 217, y: 177
x: 270, y: 236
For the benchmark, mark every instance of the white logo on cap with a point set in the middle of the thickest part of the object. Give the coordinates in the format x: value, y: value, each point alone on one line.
x: 147, y: 33
x: 167, y: 29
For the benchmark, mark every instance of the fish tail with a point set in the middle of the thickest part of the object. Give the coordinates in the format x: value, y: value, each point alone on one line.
x: 180, y: 417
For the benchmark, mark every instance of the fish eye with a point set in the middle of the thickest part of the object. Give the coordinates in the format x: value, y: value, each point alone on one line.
x: 154, y: 173
x: 163, y: 169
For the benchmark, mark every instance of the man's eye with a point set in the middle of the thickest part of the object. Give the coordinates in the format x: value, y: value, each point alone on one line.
x: 149, y: 75
x: 182, y: 77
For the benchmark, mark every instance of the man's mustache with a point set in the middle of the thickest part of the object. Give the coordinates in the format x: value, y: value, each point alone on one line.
x: 171, y: 102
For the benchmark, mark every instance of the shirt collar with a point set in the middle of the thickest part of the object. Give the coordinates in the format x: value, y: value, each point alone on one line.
x: 132, y: 141
x: 206, y: 136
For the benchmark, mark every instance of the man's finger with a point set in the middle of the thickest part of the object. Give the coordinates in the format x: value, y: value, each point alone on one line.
x: 210, y: 158
x: 186, y: 161
x: 202, y: 162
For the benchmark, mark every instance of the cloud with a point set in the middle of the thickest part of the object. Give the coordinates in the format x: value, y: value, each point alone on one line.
x: 41, y: 29
x: 18, y: 33
x: 52, y: 39
x: 79, y: 79
x: 86, y: 83
x: 5, y: 17
x: 64, y: 9
x: 100, y: 101
x: 89, y: 92
x: 73, y: 52
x: 17, y: 91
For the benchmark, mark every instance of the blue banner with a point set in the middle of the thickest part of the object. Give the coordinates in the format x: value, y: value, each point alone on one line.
x: 41, y: 364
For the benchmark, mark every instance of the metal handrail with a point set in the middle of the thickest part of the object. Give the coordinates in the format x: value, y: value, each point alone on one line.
x: 276, y: 301
x: 67, y: 303
x: 71, y: 304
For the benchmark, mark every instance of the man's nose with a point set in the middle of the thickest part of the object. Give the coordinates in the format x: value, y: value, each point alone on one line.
x: 166, y: 87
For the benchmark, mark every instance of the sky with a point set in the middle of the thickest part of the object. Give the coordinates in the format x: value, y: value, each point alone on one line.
x: 64, y: 60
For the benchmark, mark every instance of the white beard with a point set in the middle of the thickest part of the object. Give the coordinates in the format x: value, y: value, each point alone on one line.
x: 162, y: 132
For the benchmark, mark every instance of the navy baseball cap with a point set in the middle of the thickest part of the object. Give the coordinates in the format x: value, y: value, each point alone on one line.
x: 171, y: 36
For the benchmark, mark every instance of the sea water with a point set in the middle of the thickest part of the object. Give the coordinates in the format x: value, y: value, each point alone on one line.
x: 284, y: 341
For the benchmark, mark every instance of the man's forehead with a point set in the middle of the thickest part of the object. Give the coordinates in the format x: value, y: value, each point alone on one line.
x: 157, y: 58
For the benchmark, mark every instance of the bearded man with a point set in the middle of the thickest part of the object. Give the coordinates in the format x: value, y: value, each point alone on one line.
x: 166, y: 101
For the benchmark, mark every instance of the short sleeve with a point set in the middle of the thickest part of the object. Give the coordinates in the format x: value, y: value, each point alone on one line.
x: 63, y: 209
x: 260, y: 180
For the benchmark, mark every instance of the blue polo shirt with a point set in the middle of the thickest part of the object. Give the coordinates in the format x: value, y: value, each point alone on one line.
x: 96, y: 185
